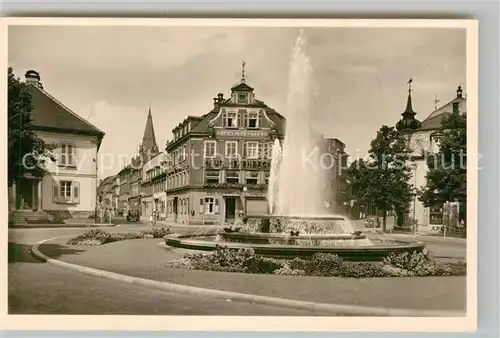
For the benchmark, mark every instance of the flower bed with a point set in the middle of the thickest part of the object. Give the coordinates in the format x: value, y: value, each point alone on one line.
x: 328, y: 265
x: 100, y: 237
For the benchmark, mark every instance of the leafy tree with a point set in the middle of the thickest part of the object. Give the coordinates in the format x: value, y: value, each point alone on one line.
x: 382, y: 180
x: 447, y: 175
x: 26, y: 150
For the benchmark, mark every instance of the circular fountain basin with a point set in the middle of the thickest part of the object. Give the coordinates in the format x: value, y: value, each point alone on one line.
x: 374, y: 252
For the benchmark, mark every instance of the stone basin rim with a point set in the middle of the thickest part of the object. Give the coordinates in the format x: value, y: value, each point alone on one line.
x: 305, y: 217
x: 188, y: 239
x: 263, y: 235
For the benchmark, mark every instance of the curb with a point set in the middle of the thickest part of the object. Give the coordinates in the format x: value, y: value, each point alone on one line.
x: 62, y: 226
x: 314, y: 308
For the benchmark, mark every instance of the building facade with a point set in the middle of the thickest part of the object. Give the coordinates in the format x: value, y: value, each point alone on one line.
x: 219, y: 162
x: 68, y: 188
x: 154, y: 186
x: 424, y: 137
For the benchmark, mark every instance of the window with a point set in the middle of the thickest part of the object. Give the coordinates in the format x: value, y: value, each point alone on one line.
x: 212, y: 177
x: 209, y: 149
x: 232, y: 177
x: 252, y: 177
x: 267, y: 178
x: 66, y: 192
x: 231, y: 149
x: 230, y: 119
x: 252, y: 149
x: 209, y: 205
x: 253, y: 120
x: 266, y: 150
x: 68, y: 156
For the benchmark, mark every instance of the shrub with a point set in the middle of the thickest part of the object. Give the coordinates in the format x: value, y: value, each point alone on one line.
x: 102, y: 237
x: 156, y: 233
x: 287, y: 271
x: 324, y: 265
x: 362, y: 270
x: 407, y: 261
x: 263, y: 265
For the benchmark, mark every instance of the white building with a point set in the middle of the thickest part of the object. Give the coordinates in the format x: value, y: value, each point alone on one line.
x: 423, y: 136
x: 68, y: 188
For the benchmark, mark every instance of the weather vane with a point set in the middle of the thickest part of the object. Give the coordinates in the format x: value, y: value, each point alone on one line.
x: 243, y: 64
x: 410, y: 81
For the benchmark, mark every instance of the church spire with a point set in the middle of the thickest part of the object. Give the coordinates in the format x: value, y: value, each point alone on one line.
x: 149, y: 147
x: 408, y: 122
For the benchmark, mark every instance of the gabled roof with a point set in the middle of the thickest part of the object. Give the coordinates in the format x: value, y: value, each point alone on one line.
x: 51, y: 115
x: 242, y: 87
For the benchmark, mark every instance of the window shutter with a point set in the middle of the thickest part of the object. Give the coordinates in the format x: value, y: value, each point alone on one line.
x: 224, y: 117
x: 76, y: 192
x: 245, y: 120
x: 201, y: 206
x: 245, y: 149
x: 216, y: 206
x: 259, y: 120
x: 62, y: 155
x: 55, y: 193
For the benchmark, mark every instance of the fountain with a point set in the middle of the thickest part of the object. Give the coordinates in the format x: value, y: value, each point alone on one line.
x: 298, y: 223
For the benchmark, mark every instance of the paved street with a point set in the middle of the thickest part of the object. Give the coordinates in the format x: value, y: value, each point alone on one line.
x: 39, y: 288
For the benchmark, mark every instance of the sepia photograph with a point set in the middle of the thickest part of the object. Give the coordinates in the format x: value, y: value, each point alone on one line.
x: 245, y: 169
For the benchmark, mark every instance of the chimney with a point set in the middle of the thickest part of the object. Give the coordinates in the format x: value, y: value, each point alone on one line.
x: 220, y: 97
x: 32, y: 77
x: 459, y: 92
x: 216, y: 102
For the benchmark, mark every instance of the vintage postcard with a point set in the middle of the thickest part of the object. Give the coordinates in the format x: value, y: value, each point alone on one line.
x: 245, y: 175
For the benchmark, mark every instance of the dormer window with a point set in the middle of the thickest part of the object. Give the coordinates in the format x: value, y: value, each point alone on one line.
x: 230, y: 120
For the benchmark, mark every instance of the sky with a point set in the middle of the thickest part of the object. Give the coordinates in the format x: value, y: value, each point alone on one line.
x: 110, y: 75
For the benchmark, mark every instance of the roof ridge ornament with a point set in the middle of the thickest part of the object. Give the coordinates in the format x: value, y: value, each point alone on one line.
x: 243, y: 64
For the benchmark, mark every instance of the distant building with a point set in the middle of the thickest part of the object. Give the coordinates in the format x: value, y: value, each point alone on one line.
x: 336, y: 183
x: 69, y: 187
x: 424, y: 136
x: 154, y: 184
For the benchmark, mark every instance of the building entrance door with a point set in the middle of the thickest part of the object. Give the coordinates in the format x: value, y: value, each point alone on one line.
x: 230, y: 208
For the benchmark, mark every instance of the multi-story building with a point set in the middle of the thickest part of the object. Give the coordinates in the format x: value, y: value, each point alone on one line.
x: 68, y: 187
x: 105, y: 191
x: 336, y: 183
x: 154, y: 184
x: 424, y: 137
x: 220, y: 161
x: 135, y: 179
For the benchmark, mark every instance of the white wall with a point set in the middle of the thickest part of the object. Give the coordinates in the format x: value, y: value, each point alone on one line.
x: 85, y: 172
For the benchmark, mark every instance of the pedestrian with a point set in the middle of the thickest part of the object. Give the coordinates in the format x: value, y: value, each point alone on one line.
x: 152, y: 220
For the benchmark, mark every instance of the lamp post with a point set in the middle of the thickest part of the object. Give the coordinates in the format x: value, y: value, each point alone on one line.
x: 414, y: 166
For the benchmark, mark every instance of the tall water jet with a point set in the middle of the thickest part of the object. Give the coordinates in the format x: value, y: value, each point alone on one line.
x: 272, y: 191
x: 301, y: 188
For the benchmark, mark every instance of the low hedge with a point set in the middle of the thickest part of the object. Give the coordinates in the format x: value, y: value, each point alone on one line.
x: 100, y: 237
x: 327, y: 265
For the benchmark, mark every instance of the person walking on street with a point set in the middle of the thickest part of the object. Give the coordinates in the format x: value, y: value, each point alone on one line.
x: 152, y: 219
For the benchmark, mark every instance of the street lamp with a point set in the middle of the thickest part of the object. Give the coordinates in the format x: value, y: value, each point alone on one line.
x: 414, y: 225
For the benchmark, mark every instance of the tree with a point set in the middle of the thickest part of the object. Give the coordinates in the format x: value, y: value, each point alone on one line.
x: 26, y: 150
x: 382, y: 180
x: 447, y: 175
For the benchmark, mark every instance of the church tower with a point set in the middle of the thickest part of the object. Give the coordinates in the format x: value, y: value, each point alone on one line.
x: 408, y: 123
x: 148, y: 147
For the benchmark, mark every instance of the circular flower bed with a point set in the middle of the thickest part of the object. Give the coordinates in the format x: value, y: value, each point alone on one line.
x: 328, y: 265
x: 99, y: 237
